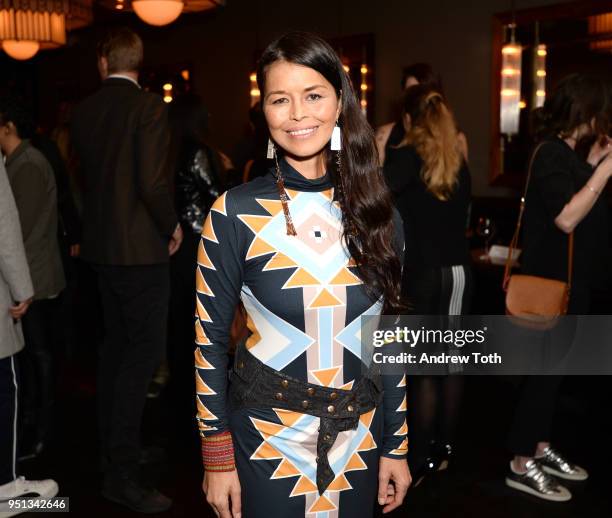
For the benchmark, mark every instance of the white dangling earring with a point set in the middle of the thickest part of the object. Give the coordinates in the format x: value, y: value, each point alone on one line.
x: 271, y: 150
x: 336, y: 138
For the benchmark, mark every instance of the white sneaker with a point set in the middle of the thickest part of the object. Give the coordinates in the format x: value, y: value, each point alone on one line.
x: 26, y: 489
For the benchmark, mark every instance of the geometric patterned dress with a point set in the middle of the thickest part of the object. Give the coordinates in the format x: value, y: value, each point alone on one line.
x: 303, y: 302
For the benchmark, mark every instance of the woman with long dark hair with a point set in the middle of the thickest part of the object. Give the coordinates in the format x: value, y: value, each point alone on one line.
x: 563, y: 197
x: 430, y: 180
x: 308, y: 249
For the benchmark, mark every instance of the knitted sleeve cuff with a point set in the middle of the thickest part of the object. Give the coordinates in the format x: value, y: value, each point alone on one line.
x: 218, y: 452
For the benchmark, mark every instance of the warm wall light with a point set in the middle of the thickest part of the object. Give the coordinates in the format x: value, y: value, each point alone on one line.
x: 364, y: 87
x: 167, y: 92
x: 158, y: 12
x: 539, y: 77
x: 510, y: 92
x: 254, y: 92
x: 598, y: 26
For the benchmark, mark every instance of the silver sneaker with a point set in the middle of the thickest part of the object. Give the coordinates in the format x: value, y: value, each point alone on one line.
x: 554, y: 463
x: 537, y: 482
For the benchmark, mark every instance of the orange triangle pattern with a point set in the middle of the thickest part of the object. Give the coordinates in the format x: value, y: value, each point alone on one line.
x: 273, y: 207
x: 219, y: 205
x: 266, y: 428
x: 402, y: 383
x: 204, y: 413
x: 322, y: 504
x: 200, y: 361
x: 285, y: 469
x: 327, y: 194
x: 201, y: 338
x: 304, y: 485
x: 288, y: 417
x: 292, y: 193
x: 279, y: 261
x: 266, y: 452
x: 403, y: 430
x: 203, y: 427
x: 366, y: 419
x: 325, y: 299
x: 203, y: 259
x: 259, y: 247
x: 352, y: 262
x: 367, y: 443
x: 355, y: 463
x: 202, y: 388
x: 404, y: 406
x: 208, y: 232
x: 201, y: 312
x: 301, y: 278
x: 402, y: 449
x: 255, y: 223
x: 339, y: 484
x: 345, y: 278
x: 347, y: 386
x: 201, y: 284
x: 326, y: 376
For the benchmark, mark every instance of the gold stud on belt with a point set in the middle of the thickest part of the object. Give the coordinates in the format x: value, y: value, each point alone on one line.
x: 305, y: 404
x: 279, y: 396
x: 350, y: 408
x: 333, y: 396
x: 311, y: 391
x: 285, y: 383
x: 331, y: 409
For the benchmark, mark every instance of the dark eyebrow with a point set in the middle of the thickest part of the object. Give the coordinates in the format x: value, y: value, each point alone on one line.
x: 308, y: 89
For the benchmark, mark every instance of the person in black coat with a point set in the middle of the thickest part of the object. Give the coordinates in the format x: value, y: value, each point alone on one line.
x: 120, y: 134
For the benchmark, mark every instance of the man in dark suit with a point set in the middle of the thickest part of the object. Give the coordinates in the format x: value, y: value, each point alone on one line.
x: 121, y: 136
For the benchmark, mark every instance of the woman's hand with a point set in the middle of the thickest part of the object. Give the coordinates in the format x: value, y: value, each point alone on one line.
x: 599, y: 150
x: 223, y: 493
x: 393, y: 482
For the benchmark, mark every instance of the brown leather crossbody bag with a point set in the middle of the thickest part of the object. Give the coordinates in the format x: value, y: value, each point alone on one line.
x: 536, y: 302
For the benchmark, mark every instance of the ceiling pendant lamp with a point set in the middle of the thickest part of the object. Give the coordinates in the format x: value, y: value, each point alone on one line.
x: 158, y: 12
x: 27, y: 26
x: 20, y: 50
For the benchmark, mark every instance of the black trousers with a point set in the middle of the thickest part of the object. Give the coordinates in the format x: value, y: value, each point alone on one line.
x: 8, y: 419
x: 537, y: 395
x: 135, y: 306
x: 37, y: 365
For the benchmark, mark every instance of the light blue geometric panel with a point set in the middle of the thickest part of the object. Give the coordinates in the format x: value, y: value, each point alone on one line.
x: 281, y: 343
x: 350, y: 336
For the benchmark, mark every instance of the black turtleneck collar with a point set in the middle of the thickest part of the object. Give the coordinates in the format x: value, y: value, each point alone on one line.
x: 298, y: 182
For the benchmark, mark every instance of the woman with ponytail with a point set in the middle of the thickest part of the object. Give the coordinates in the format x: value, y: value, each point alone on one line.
x: 430, y: 180
x: 305, y: 428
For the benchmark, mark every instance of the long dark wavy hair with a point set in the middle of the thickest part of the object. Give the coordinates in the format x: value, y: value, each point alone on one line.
x: 367, y: 207
x: 577, y: 99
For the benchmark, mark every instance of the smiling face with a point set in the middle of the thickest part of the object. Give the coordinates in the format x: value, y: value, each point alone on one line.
x: 301, y: 109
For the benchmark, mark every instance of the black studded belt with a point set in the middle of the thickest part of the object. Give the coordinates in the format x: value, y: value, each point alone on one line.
x: 256, y: 385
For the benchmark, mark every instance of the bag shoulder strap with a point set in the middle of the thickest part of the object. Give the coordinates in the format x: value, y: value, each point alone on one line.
x: 515, y: 237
